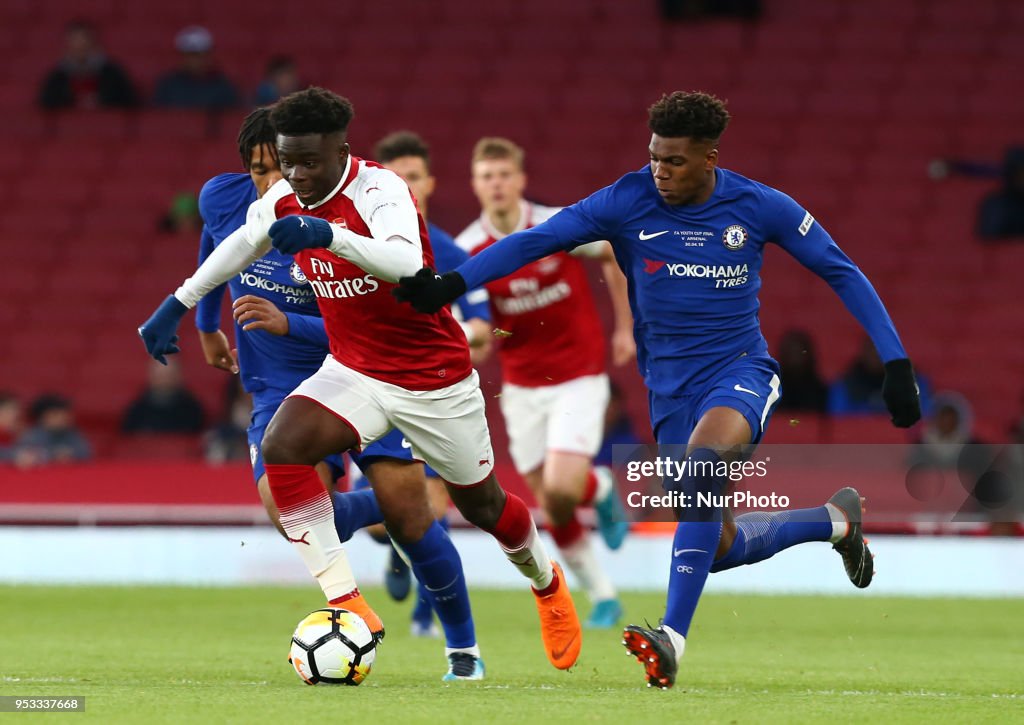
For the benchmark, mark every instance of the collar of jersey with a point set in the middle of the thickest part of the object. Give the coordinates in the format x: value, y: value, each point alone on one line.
x: 346, y: 177
x: 524, y: 221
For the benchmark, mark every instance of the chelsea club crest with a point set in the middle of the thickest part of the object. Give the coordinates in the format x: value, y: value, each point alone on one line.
x: 297, y: 274
x: 734, y: 237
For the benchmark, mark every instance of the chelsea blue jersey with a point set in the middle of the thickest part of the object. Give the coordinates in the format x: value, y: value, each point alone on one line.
x: 266, y: 361
x: 694, y: 271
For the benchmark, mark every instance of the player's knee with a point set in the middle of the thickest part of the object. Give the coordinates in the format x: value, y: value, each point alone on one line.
x: 280, y: 446
x: 410, y: 528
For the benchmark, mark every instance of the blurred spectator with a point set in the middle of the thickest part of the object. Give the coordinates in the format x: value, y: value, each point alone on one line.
x: 229, y: 439
x: 183, y: 216
x: 1001, y: 213
x: 802, y: 386
x: 165, y: 405
x: 86, y: 77
x: 280, y: 79
x: 859, y: 390
x: 197, y: 83
x: 53, y: 437
x: 948, y: 429
x: 10, y: 425
x: 618, y: 428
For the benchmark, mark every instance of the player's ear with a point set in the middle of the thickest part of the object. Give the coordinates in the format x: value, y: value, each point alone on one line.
x: 343, y: 151
x: 711, y: 159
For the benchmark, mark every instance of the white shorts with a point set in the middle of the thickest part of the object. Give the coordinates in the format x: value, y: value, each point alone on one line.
x: 567, y: 417
x: 447, y: 428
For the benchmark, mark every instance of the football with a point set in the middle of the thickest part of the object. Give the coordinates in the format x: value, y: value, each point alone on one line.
x: 332, y: 647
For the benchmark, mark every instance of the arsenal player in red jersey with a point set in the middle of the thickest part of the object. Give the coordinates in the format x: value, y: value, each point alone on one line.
x: 354, y: 230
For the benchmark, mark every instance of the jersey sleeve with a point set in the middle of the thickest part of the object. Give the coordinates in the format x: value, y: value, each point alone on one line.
x: 394, y: 248
x: 309, y: 328
x: 796, y: 231
x: 588, y: 220
x: 208, y: 308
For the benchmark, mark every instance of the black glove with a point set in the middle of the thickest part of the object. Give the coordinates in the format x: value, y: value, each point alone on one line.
x: 901, y: 394
x: 428, y: 292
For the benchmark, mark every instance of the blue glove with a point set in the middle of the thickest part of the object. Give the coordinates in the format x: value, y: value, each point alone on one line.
x: 159, y: 332
x: 292, y: 234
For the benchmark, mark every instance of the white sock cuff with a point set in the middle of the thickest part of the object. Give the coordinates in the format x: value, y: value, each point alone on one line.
x: 474, y: 650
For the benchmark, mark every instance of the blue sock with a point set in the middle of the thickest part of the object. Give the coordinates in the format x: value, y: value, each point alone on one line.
x: 760, y: 535
x: 696, y: 539
x: 423, y: 612
x: 353, y: 510
x: 437, y: 565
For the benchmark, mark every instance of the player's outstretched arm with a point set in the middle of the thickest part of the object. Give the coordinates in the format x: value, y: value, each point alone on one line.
x: 240, y: 249
x: 804, y: 238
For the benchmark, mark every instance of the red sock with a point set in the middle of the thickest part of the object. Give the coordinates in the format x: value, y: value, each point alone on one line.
x: 589, y: 489
x: 294, y: 488
x: 514, y: 524
x: 567, y: 534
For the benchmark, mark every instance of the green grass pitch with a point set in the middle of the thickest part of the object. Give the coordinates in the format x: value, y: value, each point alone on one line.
x: 219, y: 655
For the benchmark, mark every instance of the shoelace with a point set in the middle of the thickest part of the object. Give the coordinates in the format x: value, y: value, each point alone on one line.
x: 462, y: 664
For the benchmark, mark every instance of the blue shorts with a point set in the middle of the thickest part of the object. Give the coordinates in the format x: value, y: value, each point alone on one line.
x: 393, y: 445
x: 262, y: 411
x: 749, y: 385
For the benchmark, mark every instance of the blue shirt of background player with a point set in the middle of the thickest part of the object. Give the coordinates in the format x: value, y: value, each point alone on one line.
x: 694, y: 271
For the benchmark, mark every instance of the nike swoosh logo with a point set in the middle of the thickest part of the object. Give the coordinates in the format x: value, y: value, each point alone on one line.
x: 677, y: 552
x: 560, y: 653
x: 741, y: 389
x: 441, y: 589
x: 645, y: 237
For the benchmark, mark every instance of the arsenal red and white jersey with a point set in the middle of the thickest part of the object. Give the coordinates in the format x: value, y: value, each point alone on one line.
x: 369, y: 330
x: 548, y: 307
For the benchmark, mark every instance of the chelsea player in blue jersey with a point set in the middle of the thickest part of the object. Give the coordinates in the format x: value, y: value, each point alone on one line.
x: 282, y: 341
x: 689, y: 237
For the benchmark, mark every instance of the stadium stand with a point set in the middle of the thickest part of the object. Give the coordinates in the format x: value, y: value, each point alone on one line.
x: 828, y: 100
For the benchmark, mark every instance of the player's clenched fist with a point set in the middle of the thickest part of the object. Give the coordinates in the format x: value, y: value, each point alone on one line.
x: 428, y: 292
x: 292, y: 234
x: 901, y: 394
x: 160, y: 332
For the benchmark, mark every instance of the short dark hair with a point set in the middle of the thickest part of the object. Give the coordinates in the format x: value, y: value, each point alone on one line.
x: 314, y: 110
x: 256, y: 130
x: 697, y: 115
x: 401, y: 143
